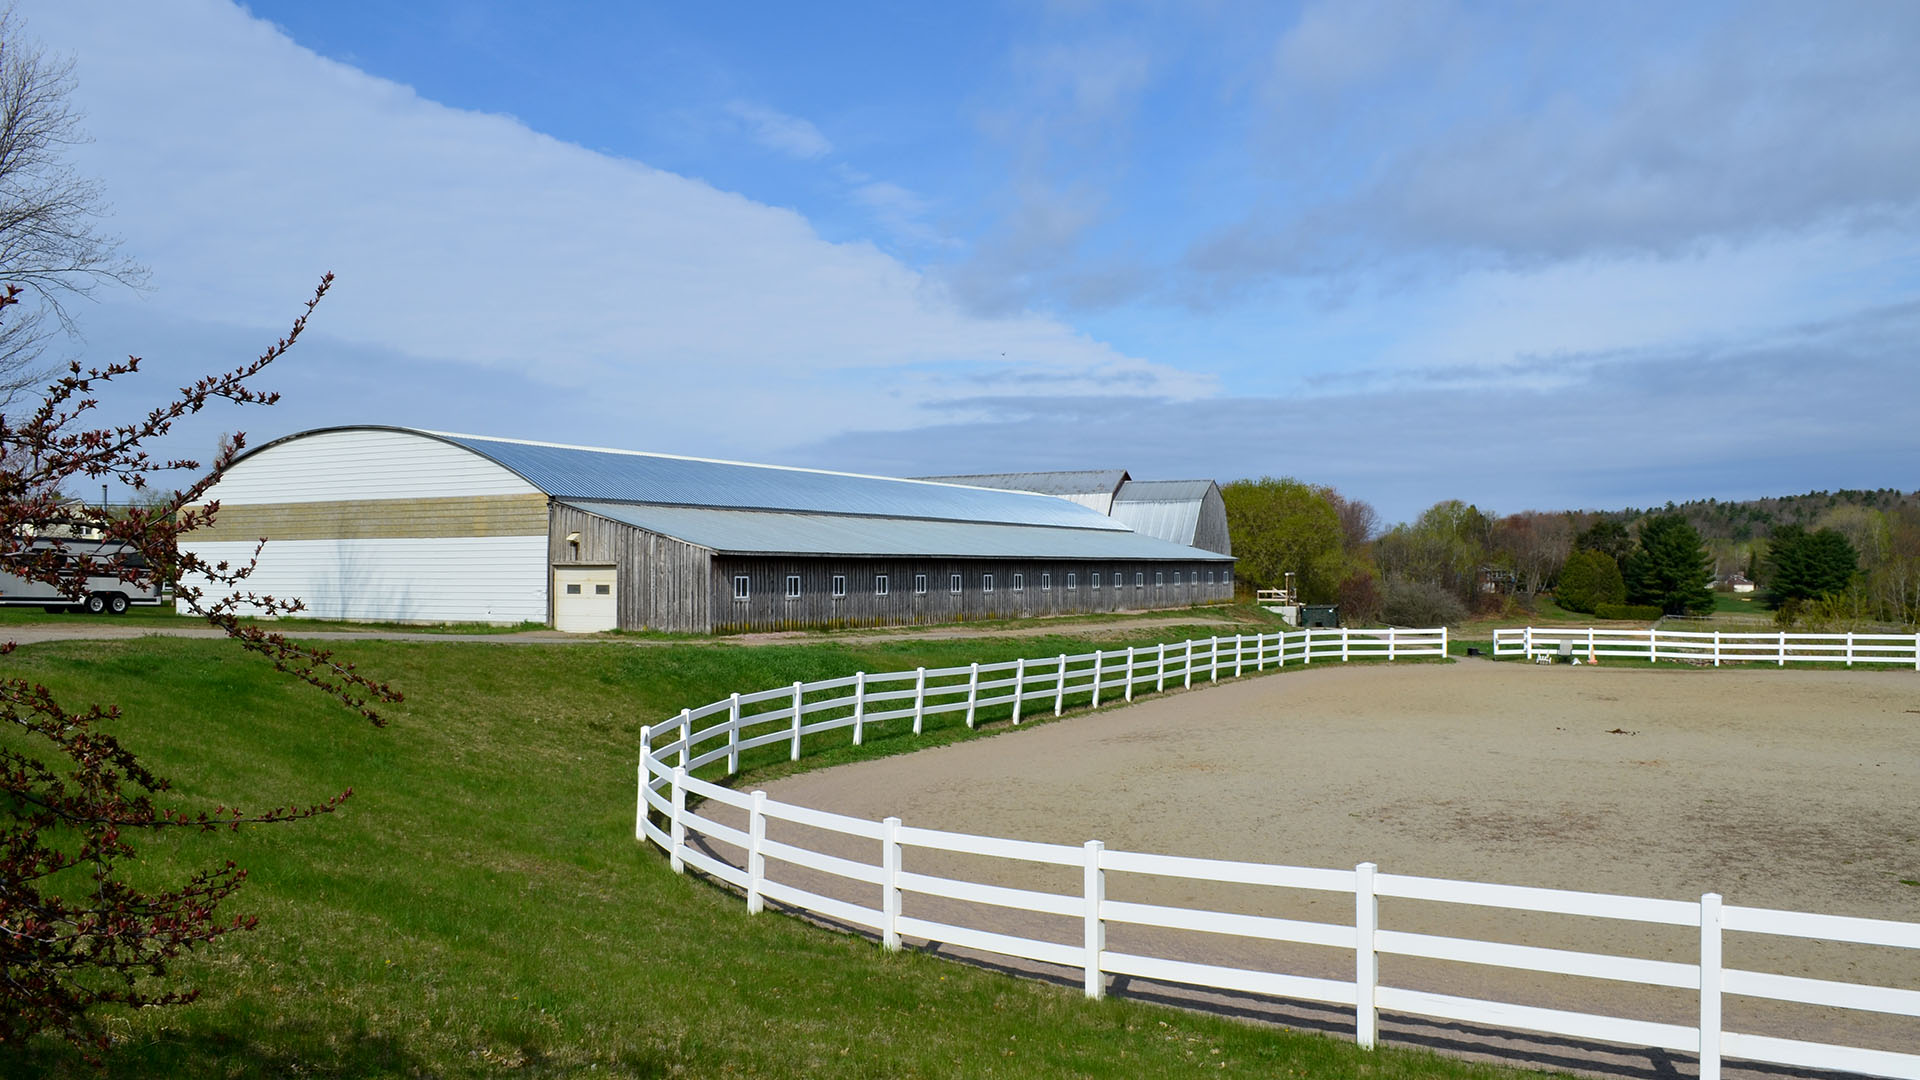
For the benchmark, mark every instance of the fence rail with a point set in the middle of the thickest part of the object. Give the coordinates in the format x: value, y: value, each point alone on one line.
x: 671, y: 751
x: 1714, y: 647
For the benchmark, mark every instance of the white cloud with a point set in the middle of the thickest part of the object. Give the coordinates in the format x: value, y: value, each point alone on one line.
x: 243, y: 165
x: 1748, y: 123
x: 775, y: 130
x: 1334, y: 45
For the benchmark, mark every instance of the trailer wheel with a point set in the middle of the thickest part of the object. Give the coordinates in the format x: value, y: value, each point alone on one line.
x: 117, y: 604
x: 96, y: 604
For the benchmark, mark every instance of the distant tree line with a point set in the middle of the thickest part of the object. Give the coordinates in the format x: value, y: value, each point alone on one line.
x: 1823, y: 559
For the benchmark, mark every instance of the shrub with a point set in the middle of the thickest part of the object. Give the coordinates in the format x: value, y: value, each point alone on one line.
x: 1589, y: 579
x: 1359, y: 598
x: 1421, y: 603
x: 1633, y: 612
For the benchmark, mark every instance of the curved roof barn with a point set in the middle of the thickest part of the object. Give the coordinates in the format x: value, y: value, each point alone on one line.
x: 404, y: 524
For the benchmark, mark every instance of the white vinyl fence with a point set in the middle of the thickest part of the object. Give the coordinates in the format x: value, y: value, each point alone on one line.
x: 1715, y: 647
x: 706, y: 736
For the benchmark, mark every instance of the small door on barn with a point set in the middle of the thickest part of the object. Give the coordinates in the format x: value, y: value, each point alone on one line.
x: 584, y: 599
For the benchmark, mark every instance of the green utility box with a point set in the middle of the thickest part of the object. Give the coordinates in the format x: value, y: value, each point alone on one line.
x: 1319, y: 614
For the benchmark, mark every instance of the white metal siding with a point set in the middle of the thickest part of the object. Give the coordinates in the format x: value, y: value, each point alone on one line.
x: 500, y: 579
x: 335, y: 465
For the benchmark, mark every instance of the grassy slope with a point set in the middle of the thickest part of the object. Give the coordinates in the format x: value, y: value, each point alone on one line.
x: 480, y: 907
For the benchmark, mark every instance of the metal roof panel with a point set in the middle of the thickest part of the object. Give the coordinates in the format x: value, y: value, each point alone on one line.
x: 581, y: 472
x: 756, y: 532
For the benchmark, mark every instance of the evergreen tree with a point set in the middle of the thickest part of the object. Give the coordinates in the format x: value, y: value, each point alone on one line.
x: 1606, y: 535
x: 1804, y: 565
x: 1670, y: 568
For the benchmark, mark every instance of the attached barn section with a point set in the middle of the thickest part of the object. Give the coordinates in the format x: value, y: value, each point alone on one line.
x: 389, y: 524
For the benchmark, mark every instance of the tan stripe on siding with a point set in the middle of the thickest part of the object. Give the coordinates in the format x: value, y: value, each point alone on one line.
x: 367, y: 519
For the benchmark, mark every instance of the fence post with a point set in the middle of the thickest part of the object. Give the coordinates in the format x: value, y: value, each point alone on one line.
x: 640, y: 811
x: 1393, y: 634
x: 890, y: 883
x: 1280, y: 652
x: 678, y: 833
x: 973, y: 691
x: 733, y: 734
x: 1187, y: 675
x: 1849, y: 648
x: 686, y: 735
x: 1653, y: 644
x: 1098, y: 657
x: 1019, y: 687
x: 859, y: 706
x: 1526, y: 642
x: 1060, y: 686
x: 1160, y: 665
x: 1094, y: 881
x: 1346, y: 638
x: 919, y: 698
x: 1783, y: 648
x: 1710, y: 987
x: 1213, y: 658
x: 1916, y: 652
x: 1366, y: 966
x: 1129, y: 673
x: 1443, y: 641
x: 756, y: 859
x: 1239, y: 653
x: 797, y: 711
x: 1306, y: 654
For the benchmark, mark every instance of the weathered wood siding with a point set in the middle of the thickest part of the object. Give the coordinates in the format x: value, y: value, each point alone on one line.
x: 664, y: 584
x: 767, y: 606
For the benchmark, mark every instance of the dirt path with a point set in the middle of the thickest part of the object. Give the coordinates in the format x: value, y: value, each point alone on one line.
x: 28, y: 633
x: 1784, y: 789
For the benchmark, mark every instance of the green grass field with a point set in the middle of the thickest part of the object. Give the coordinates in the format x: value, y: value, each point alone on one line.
x: 480, y: 908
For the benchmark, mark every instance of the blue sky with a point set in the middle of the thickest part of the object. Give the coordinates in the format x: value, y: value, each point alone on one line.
x: 1532, y: 256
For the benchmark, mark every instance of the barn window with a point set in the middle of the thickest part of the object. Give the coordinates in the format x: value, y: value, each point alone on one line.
x: 1046, y: 582
x: 1019, y: 583
x: 573, y: 590
x: 602, y: 590
x: 1073, y: 581
x: 920, y: 584
x: 1139, y: 579
x: 839, y: 585
x: 1226, y: 577
x: 953, y: 583
x: 986, y: 582
x: 879, y: 584
x: 793, y: 586
x: 739, y: 586
x: 1093, y: 580
x: 1176, y: 577
x: 1159, y: 578
x: 1209, y: 577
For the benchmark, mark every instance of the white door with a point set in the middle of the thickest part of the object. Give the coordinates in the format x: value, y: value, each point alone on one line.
x: 584, y: 601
